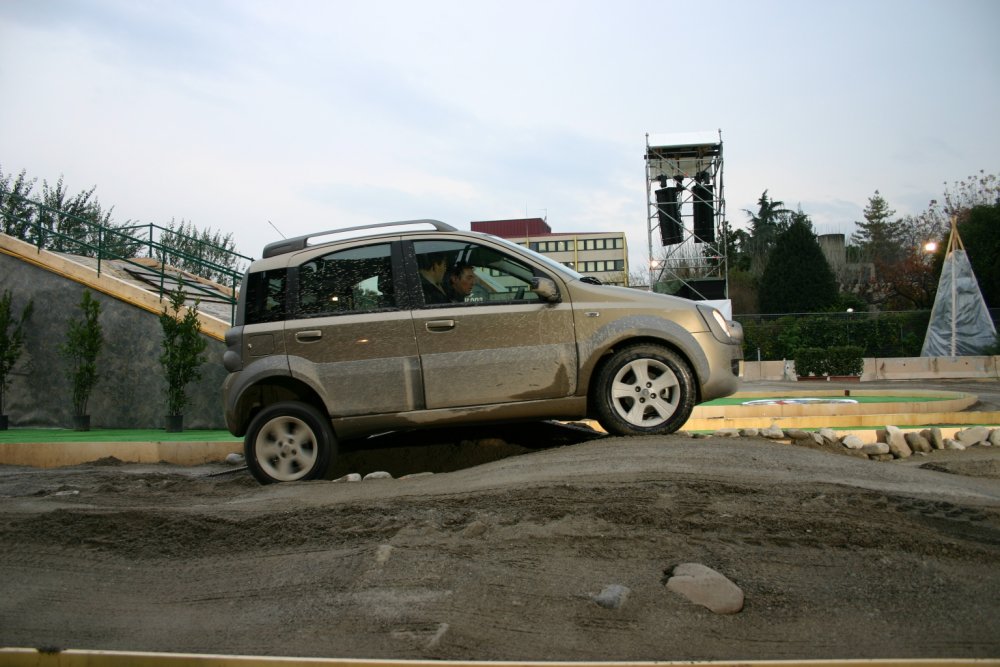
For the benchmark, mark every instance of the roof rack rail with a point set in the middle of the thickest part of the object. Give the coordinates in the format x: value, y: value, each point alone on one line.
x: 302, y: 242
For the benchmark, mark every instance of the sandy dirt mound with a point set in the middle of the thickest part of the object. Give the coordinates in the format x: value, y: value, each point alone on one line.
x: 837, y: 557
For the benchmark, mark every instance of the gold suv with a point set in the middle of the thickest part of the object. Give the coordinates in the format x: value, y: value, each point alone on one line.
x: 412, y: 328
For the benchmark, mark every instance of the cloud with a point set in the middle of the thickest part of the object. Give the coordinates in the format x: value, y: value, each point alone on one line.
x: 317, y: 114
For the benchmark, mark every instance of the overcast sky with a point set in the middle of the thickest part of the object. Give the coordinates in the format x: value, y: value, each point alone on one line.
x: 315, y: 115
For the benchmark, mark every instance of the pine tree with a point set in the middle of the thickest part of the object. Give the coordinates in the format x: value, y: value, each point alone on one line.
x: 770, y: 220
x: 879, y: 236
x: 982, y: 244
x: 797, y: 277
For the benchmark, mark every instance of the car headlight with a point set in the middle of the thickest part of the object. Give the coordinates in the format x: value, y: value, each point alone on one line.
x: 724, y: 330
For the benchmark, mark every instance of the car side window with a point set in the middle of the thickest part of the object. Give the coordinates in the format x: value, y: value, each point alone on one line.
x: 456, y: 272
x: 356, y: 280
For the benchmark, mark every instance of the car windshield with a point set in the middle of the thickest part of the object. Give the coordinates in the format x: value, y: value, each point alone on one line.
x: 547, y: 261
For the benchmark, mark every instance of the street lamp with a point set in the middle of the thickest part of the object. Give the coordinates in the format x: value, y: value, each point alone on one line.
x: 654, y: 264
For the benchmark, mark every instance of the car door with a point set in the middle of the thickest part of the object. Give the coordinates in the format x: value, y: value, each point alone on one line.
x: 499, y: 344
x: 349, y: 336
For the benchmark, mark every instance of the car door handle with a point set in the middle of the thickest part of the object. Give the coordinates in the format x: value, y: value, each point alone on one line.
x: 308, y: 336
x: 440, y: 325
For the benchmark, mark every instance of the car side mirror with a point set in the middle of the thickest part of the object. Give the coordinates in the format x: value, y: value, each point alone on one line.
x: 546, y: 289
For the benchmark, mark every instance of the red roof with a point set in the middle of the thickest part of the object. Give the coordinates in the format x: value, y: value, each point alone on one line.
x: 513, y: 229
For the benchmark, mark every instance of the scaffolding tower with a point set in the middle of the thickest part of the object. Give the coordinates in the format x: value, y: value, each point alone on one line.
x: 686, y: 204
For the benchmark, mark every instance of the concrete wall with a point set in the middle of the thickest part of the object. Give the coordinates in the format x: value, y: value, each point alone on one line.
x: 130, y: 392
x: 896, y: 368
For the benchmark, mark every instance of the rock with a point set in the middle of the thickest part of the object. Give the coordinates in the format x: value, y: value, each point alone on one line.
x: 924, y: 445
x: 818, y: 439
x: 994, y: 438
x: 829, y: 436
x: 727, y: 433
x: 897, y: 443
x: 949, y: 443
x: 703, y: 585
x: 612, y: 596
x: 917, y: 442
x: 351, y: 477
x: 378, y: 474
x: 875, y: 449
x: 772, y: 432
x: 852, y: 442
x: 749, y: 432
x: 414, y: 475
x: 883, y: 457
x: 933, y: 435
x: 699, y: 436
x: 972, y: 436
x: 235, y: 459
x: 475, y: 529
x: 797, y: 434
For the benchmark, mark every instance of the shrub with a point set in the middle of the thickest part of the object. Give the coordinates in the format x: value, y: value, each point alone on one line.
x: 834, y: 360
x: 83, y: 344
x: 845, y: 360
x: 811, y: 361
x: 11, y: 339
x: 182, y: 350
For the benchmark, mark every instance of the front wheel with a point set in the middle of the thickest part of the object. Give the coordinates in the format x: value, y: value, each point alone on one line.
x: 644, y: 390
x: 289, y: 442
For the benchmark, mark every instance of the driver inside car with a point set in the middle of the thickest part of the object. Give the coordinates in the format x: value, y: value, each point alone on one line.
x: 459, y: 281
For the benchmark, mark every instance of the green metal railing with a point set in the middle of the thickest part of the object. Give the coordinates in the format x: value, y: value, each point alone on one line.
x: 81, y: 236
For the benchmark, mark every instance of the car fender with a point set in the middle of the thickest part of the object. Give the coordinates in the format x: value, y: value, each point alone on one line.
x: 645, y: 327
x: 236, y: 386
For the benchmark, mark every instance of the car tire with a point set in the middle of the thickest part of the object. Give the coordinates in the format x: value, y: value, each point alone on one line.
x: 644, y: 390
x: 289, y: 442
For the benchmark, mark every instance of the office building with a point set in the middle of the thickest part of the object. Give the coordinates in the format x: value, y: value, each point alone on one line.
x: 603, y: 255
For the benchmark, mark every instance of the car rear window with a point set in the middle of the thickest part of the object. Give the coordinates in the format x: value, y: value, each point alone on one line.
x: 265, y: 297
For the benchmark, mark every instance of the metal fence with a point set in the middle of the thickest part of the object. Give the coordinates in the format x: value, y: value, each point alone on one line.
x: 59, y: 231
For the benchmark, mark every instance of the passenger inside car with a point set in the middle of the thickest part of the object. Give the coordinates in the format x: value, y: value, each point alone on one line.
x: 432, y: 266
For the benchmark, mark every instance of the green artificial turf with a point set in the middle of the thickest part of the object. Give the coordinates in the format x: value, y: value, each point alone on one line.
x: 112, y: 435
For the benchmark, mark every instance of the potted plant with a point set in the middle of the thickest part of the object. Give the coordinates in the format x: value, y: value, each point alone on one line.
x: 11, y: 342
x: 811, y: 364
x: 832, y: 363
x: 181, y: 359
x: 846, y: 362
x: 83, y: 344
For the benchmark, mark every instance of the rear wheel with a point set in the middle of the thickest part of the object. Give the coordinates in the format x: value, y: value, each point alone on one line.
x: 644, y: 390
x: 289, y: 442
